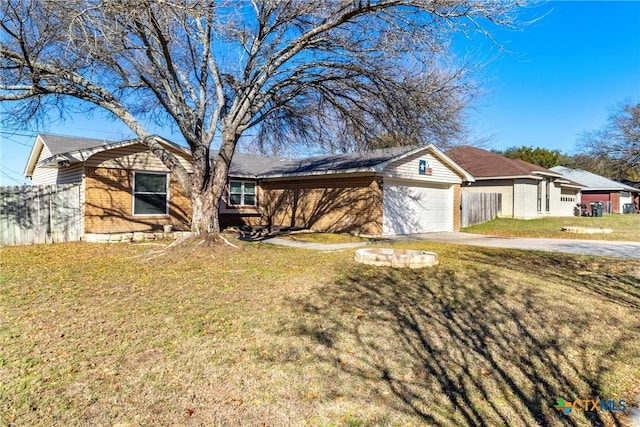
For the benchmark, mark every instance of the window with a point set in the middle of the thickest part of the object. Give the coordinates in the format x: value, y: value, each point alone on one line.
x: 242, y: 193
x: 149, y: 193
x: 548, y: 196
x: 540, y: 184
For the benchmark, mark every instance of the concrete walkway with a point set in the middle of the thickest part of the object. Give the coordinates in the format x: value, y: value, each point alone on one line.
x: 581, y: 247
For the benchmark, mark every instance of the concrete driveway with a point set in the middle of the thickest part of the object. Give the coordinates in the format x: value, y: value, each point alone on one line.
x: 583, y: 247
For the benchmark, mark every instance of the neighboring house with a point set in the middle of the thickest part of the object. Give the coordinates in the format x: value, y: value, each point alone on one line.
x: 126, y: 188
x: 528, y: 191
x: 600, y: 189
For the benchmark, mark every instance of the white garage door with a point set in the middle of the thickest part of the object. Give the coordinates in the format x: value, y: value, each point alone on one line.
x: 410, y: 208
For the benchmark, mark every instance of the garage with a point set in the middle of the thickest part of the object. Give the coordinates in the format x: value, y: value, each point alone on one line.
x: 411, y: 207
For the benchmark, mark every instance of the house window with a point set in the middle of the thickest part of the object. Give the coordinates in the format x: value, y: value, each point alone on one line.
x: 242, y: 193
x: 150, y: 193
x: 548, y: 196
x: 540, y: 184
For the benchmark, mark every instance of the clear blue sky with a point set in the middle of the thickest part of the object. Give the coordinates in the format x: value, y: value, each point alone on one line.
x: 559, y: 77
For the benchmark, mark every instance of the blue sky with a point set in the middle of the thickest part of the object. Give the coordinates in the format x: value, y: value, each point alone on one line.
x: 561, y: 76
x: 558, y: 77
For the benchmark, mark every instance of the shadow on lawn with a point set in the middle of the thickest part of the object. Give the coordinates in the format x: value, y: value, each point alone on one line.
x: 470, y: 348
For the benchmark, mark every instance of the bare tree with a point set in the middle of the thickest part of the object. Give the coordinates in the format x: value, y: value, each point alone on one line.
x: 338, y: 73
x: 616, y: 144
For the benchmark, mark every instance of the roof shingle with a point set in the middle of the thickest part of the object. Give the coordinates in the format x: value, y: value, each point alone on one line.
x: 485, y: 164
x: 590, y: 180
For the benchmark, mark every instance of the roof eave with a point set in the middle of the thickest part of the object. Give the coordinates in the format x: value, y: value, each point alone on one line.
x: 78, y: 156
x: 567, y: 185
x: 488, y: 178
x: 316, y: 173
x: 632, y: 190
x: 548, y: 173
x: 34, y: 154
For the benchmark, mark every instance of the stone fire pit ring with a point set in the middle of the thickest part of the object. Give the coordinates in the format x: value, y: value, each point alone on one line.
x: 398, y: 258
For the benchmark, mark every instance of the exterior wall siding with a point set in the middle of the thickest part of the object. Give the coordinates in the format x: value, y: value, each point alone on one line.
x: 44, y: 176
x: 408, y: 168
x: 108, y: 206
x: 136, y: 157
x: 62, y: 175
x: 70, y: 175
x: 347, y: 204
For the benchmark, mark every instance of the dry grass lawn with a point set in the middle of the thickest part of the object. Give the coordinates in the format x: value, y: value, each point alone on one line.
x: 130, y: 335
x: 624, y: 227
x: 325, y: 238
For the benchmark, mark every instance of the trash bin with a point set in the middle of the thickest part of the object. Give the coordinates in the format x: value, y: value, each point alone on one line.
x: 596, y: 209
x: 628, y: 208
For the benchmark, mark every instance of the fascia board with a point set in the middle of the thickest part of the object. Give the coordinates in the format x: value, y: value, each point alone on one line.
x: 315, y: 175
x: 489, y: 178
x: 630, y: 189
x: 550, y: 173
x: 33, y: 156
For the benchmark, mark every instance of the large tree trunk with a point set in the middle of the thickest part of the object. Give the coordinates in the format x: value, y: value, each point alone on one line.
x: 209, y: 186
x: 203, y: 212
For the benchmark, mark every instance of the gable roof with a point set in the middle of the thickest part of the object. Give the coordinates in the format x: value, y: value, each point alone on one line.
x: 69, y: 150
x: 370, y: 161
x: 591, y: 181
x: 57, y: 145
x: 250, y: 166
x: 483, y: 164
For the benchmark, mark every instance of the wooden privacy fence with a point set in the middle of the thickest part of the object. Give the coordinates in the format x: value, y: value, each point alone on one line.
x: 477, y: 208
x: 40, y: 214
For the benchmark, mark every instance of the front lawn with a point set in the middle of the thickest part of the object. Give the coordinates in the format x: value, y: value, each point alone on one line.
x: 325, y: 238
x: 126, y: 334
x: 624, y: 227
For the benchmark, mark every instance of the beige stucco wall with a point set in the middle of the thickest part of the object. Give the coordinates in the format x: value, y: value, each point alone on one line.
x: 526, y: 196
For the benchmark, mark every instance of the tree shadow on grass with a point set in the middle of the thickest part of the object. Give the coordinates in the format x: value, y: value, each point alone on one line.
x: 619, y: 284
x: 470, y: 346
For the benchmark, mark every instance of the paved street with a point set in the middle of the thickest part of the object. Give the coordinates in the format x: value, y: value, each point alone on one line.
x: 584, y: 247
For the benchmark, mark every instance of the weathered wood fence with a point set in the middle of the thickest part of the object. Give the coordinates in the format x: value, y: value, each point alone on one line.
x: 40, y: 214
x: 479, y: 207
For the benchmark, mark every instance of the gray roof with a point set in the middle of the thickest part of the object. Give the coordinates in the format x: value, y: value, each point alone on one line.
x: 58, y: 144
x: 592, y: 181
x: 254, y: 166
x: 246, y: 165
